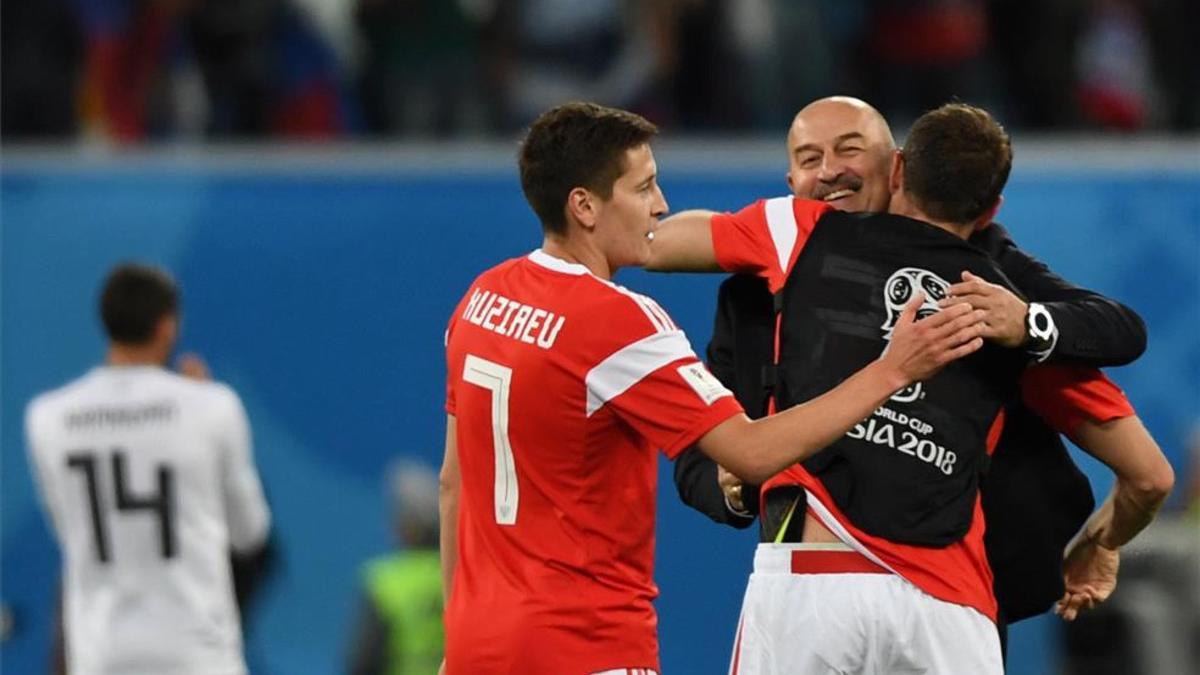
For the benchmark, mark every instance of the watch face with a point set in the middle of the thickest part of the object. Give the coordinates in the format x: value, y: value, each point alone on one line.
x: 1043, y: 334
x: 1041, y: 324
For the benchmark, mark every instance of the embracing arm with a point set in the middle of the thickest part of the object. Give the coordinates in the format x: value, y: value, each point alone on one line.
x: 1093, y: 330
x: 684, y: 243
x: 756, y: 450
x: 1144, y: 479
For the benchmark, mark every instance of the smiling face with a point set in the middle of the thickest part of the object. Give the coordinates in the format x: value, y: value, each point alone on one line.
x: 840, y: 150
x: 625, y: 220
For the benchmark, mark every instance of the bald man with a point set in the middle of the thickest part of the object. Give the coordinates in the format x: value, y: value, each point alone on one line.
x: 839, y: 151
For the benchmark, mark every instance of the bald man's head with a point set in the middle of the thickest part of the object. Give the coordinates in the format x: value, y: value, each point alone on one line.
x: 840, y: 150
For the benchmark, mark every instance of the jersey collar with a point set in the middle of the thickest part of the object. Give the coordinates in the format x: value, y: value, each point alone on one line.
x: 548, y: 261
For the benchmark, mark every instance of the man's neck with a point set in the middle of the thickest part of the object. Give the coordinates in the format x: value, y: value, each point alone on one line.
x: 135, y: 355
x: 575, y: 251
x: 901, y: 205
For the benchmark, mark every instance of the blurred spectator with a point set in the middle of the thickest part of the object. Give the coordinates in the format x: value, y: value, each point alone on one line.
x: 133, y: 70
x: 420, y: 69
x: 1171, y: 26
x: 794, y: 52
x: 1037, y: 66
x: 41, y: 45
x: 922, y: 53
x: 265, y: 70
x: 132, y: 45
x: 704, y: 83
x: 400, y: 624
x: 607, y: 51
x: 1113, y: 61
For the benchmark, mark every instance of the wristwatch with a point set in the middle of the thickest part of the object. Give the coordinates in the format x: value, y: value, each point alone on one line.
x: 1040, y: 332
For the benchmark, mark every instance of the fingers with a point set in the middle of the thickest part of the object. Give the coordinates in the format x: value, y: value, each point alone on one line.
x: 967, y: 325
x: 971, y: 285
x: 976, y: 300
x: 1075, y: 601
x: 735, y: 497
x: 964, y: 335
x: 1068, y: 608
x: 936, y: 321
x: 952, y: 300
x: 910, y: 310
x: 962, y: 350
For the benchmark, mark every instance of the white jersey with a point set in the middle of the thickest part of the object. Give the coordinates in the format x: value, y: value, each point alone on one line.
x: 149, y: 482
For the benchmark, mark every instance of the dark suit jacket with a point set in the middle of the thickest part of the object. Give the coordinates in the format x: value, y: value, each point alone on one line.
x: 1034, y: 497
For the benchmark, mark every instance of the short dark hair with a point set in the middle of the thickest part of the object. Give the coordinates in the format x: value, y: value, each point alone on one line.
x: 135, y: 298
x: 956, y: 162
x: 576, y: 145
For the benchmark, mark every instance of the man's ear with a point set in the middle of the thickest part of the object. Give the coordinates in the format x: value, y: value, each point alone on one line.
x: 896, y: 176
x: 581, y: 206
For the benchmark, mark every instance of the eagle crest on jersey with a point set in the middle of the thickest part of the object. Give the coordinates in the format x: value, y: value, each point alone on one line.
x: 897, y: 292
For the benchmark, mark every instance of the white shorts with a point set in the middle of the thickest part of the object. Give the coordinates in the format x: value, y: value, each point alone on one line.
x: 862, y: 620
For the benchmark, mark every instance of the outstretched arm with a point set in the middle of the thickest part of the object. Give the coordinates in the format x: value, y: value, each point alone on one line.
x: 683, y: 243
x: 1144, y: 479
x: 1092, y: 330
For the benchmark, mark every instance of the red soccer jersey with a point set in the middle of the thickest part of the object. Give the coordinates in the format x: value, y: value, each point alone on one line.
x: 766, y: 238
x: 562, y: 385
x: 1067, y: 396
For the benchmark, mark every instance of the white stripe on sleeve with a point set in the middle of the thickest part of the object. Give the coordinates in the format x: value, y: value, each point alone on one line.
x: 642, y: 303
x: 661, y: 313
x: 629, y: 365
x: 781, y: 222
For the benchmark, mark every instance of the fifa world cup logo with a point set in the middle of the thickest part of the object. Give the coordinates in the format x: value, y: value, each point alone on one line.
x: 899, y: 289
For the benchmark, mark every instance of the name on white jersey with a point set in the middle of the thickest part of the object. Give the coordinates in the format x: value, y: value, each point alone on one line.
x: 103, y: 416
x: 512, y: 319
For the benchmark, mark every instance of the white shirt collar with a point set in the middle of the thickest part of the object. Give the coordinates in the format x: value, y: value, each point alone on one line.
x: 548, y: 261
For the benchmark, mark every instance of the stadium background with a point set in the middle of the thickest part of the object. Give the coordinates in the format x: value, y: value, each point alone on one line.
x: 321, y: 253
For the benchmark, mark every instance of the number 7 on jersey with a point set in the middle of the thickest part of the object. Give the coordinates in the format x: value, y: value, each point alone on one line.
x: 498, y: 380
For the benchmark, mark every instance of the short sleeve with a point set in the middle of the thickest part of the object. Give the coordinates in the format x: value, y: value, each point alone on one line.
x: 766, y: 237
x: 450, y: 379
x: 467, y: 302
x: 46, y: 487
x: 245, y: 505
x: 659, y: 387
x: 1067, y: 396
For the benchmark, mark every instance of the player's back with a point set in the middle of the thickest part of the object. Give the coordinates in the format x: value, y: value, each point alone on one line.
x: 148, y: 480
x: 561, y: 384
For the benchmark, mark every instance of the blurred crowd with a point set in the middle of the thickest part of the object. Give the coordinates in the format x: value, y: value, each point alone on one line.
x: 137, y: 70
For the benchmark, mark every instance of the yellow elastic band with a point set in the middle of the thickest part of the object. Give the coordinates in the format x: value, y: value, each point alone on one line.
x: 787, y: 519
